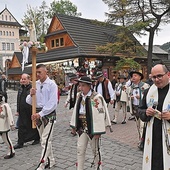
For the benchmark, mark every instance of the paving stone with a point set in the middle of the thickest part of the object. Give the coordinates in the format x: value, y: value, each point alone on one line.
x: 119, y: 149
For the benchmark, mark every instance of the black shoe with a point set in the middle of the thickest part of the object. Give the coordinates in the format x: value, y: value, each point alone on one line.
x: 47, y: 164
x: 18, y: 146
x: 73, y: 134
x: 35, y: 142
x: 124, y: 122
x: 131, y: 118
x: 114, y: 122
x: 9, y: 156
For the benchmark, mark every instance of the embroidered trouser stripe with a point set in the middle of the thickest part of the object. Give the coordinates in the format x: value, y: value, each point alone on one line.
x: 46, y: 134
x: 8, y: 142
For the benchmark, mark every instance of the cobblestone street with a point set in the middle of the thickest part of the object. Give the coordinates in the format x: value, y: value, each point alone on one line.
x: 119, y: 148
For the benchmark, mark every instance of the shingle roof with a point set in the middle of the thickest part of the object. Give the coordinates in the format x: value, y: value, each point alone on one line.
x: 8, y: 22
x: 156, y: 49
x: 18, y: 70
x: 85, y: 33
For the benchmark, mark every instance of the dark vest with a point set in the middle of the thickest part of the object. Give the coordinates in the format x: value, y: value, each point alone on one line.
x: 105, y: 89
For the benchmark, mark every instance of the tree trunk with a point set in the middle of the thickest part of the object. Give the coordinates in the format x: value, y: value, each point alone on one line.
x: 150, y: 49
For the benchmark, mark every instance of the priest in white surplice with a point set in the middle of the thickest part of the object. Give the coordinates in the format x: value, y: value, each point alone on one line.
x: 157, y: 139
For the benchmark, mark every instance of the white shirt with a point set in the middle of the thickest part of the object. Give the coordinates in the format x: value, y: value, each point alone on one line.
x: 46, y: 96
x: 135, y: 93
x: 110, y: 89
x: 83, y: 107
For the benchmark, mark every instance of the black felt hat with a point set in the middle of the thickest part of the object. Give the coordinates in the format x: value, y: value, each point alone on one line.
x: 136, y: 72
x: 72, y: 76
x: 99, y: 74
x: 85, y: 79
x: 121, y: 77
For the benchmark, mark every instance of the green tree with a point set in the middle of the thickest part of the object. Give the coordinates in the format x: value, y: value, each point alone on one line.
x: 63, y: 7
x: 125, y: 45
x: 36, y: 15
x: 42, y: 15
x: 139, y: 16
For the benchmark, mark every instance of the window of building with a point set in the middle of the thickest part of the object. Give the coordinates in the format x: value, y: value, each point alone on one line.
x: 6, y: 17
x: 0, y: 33
x: 12, y: 46
x: 61, y: 41
x: 6, y: 33
x: 57, y: 42
x: 8, y: 46
x: 9, y: 33
x: 52, y: 43
x: 3, y: 46
x: 10, y: 17
x: 12, y: 33
x: 2, y: 17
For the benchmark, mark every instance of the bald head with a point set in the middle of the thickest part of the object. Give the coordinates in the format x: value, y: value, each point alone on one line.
x: 160, y: 67
x: 160, y: 75
x: 25, y: 79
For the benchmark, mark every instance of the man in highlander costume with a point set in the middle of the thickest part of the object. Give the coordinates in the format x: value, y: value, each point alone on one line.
x: 155, y: 110
x: 135, y: 95
x: 46, y: 103
x: 90, y: 118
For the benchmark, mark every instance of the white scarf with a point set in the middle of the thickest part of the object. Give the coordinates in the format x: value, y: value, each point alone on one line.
x: 152, y: 96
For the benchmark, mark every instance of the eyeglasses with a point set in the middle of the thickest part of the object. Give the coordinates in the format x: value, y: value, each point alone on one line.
x: 159, y: 77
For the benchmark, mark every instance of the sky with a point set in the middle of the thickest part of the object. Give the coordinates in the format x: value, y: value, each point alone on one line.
x: 90, y: 9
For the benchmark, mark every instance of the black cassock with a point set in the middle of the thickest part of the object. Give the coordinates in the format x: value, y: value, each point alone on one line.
x: 25, y: 131
x: 157, y: 147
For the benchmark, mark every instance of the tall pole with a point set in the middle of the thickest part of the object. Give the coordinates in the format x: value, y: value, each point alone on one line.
x: 34, y: 53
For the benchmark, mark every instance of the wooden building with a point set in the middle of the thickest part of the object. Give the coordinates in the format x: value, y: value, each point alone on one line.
x: 75, y: 39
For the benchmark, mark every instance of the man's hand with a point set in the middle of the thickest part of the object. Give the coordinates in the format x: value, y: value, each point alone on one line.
x: 32, y: 91
x: 165, y: 115
x: 12, y: 127
x: 35, y: 116
x: 150, y: 111
x: 111, y: 101
x: 137, y: 96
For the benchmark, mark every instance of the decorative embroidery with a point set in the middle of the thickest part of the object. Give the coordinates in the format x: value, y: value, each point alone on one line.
x: 147, y: 159
x: 95, y: 103
x: 100, y: 110
x: 1, y: 113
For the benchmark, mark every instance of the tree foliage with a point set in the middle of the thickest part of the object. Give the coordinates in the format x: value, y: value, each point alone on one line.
x: 139, y: 16
x: 63, y: 7
x: 129, y: 62
x: 42, y: 15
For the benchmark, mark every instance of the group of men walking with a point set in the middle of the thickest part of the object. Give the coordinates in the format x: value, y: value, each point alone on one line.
x: 89, y: 98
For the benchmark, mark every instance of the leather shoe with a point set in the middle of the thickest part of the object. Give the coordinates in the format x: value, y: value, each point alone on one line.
x: 36, y: 142
x: 131, y: 118
x: 124, y: 122
x: 18, y: 146
x: 9, y: 156
x: 114, y: 122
